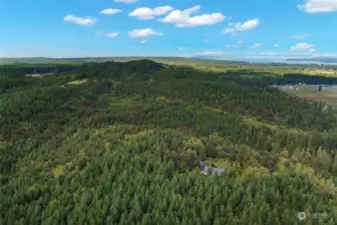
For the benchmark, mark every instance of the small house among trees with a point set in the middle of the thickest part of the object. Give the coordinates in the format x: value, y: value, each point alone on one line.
x: 210, y: 170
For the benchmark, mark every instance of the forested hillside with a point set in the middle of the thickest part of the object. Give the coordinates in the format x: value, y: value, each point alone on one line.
x: 122, y: 145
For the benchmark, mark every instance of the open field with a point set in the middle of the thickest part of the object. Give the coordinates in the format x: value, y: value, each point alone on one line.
x: 308, y: 92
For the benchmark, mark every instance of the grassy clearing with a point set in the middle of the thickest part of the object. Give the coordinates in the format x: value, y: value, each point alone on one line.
x: 327, y: 96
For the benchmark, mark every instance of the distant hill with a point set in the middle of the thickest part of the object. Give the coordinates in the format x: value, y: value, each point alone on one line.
x: 117, y: 59
x: 322, y: 60
x: 50, y: 60
x: 26, y: 60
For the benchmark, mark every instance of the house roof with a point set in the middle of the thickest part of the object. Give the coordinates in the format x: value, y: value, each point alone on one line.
x: 207, y: 170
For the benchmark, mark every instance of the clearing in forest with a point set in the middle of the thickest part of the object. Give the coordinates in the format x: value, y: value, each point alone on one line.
x: 328, y: 95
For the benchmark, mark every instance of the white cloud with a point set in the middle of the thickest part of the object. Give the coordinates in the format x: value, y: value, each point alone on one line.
x: 110, y: 11
x: 112, y: 35
x: 126, y: 1
x: 143, y: 42
x: 256, y: 45
x: 312, y: 50
x: 248, y: 25
x: 229, y: 30
x: 212, y: 53
x: 184, y: 18
x: 301, y: 47
x: 141, y: 33
x: 88, y: 21
x: 318, y: 6
x: 147, y: 13
x: 276, y: 46
x: 240, y: 42
x: 181, y: 49
x: 301, y: 36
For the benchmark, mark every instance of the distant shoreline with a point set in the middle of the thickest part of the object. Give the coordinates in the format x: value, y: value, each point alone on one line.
x: 329, y: 61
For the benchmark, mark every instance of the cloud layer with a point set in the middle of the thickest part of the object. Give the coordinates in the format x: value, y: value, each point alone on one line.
x: 248, y: 25
x: 301, y: 47
x: 147, y: 13
x: 212, y: 53
x: 193, y: 16
x: 112, y: 35
x: 88, y: 21
x: 142, y: 33
x: 110, y: 11
x: 256, y: 45
x: 184, y: 18
x: 318, y: 6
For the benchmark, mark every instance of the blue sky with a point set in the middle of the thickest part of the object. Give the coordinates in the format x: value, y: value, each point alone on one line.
x: 222, y: 28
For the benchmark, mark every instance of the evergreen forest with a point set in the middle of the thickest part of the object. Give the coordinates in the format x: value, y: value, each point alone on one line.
x: 120, y: 143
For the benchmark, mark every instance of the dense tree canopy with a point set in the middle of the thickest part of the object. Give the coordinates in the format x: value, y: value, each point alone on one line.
x: 116, y: 149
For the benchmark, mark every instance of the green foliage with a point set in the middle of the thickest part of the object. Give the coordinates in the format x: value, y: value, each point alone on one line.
x: 115, y: 151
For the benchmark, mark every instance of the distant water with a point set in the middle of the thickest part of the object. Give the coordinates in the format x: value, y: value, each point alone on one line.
x: 292, y: 62
x: 308, y: 62
x: 284, y: 61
